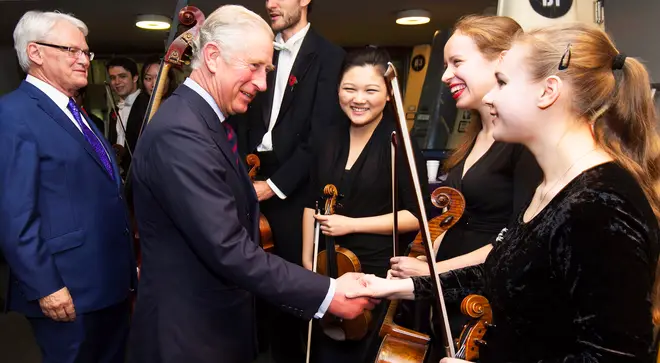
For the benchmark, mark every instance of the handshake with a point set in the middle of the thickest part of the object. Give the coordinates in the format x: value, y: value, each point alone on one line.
x: 357, y: 292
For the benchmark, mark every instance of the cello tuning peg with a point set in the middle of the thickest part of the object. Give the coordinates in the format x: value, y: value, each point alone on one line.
x: 489, y: 325
x: 481, y: 342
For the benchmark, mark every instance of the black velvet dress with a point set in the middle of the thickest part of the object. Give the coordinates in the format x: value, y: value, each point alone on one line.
x: 573, y: 284
x: 495, y: 188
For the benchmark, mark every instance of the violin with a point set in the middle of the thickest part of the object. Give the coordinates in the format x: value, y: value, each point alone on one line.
x: 334, y: 265
x: 401, y: 344
x: 265, y: 233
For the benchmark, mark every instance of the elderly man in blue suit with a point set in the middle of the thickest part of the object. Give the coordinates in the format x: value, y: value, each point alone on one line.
x: 63, y: 221
x: 198, y: 214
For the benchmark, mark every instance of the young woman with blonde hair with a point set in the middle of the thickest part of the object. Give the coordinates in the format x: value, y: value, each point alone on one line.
x: 571, y: 278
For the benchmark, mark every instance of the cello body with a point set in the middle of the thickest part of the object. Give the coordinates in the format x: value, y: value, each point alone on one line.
x: 265, y: 233
x: 401, y: 344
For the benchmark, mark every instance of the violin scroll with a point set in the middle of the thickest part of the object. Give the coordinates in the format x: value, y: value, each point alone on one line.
x: 331, y: 193
x: 254, y: 163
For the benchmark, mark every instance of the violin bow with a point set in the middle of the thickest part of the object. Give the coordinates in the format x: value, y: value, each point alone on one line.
x: 317, y: 231
x: 108, y: 93
x: 402, y: 130
x: 395, y: 207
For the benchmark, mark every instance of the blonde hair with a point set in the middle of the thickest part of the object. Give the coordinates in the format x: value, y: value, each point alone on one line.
x: 228, y: 26
x: 612, y: 92
x: 492, y: 35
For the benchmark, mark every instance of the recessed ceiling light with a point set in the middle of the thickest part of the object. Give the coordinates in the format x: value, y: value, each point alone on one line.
x: 152, y: 22
x: 413, y: 17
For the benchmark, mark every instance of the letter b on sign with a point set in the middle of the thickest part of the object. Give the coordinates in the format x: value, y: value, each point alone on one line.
x: 551, y: 8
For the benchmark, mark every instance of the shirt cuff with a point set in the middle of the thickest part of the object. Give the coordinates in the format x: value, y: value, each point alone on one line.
x: 328, y: 299
x: 275, y: 189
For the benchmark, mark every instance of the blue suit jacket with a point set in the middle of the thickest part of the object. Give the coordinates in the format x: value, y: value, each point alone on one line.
x: 198, y: 217
x: 63, y: 220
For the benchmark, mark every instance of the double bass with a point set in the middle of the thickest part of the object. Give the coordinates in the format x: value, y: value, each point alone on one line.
x: 178, y: 55
x: 406, y: 345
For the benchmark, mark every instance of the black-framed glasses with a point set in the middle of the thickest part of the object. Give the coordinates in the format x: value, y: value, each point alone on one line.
x: 73, y: 52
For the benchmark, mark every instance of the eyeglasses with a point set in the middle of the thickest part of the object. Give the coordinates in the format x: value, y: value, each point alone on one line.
x: 73, y: 52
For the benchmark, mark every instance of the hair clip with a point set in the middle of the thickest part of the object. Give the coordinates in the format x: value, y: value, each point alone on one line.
x: 566, y: 58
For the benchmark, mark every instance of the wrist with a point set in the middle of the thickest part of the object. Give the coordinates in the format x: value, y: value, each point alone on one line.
x: 355, y: 225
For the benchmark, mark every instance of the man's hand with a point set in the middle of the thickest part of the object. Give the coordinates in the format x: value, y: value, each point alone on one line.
x: 264, y: 192
x: 335, y: 224
x: 402, y: 267
x: 346, y: 308
x: 58, y: 306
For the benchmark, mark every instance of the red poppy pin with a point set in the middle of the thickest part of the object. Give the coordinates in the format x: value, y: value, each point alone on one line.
x: 292, y: 80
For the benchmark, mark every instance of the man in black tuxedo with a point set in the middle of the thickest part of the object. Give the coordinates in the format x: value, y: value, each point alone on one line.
x: 301, y: 100
x: 198, y: 214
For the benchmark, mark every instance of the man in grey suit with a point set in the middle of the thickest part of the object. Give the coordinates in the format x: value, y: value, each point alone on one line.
x: 198, y: 214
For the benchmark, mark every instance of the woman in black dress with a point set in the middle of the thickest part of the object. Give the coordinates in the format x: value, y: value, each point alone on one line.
x: 495, y: 177
x: 571, y: 277
x: 355, y: 156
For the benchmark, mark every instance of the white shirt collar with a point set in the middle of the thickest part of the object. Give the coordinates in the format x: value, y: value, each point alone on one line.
x: 294, y: 42
x: 128, y: 101
x: 60, y: 99
x: 205, y: 95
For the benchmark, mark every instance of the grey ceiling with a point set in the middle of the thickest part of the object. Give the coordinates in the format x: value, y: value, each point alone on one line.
x: 345, y: 22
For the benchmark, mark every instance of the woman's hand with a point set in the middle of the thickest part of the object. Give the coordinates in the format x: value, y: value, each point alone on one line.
x: 335, y: 225
x: 373, y: 287
x: 402, y: 267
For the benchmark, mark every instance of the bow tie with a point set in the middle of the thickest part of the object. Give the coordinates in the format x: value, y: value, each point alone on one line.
x: 280, y: 46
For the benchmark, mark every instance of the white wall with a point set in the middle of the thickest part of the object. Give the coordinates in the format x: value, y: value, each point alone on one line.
x: 635, y: 26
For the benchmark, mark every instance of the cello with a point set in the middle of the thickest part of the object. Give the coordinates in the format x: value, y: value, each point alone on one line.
x: 265, y: 233
x: 406, y: 345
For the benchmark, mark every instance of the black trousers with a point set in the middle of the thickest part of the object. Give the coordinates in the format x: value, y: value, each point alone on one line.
x: 98, y: 336
x: 286, y: 334
x: 328, y: 350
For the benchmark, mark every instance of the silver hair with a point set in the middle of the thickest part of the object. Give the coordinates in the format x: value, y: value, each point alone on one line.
x: 228, y: 26
x: 35, y: 26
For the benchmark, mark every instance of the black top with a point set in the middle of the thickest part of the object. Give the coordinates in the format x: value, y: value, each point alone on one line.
x: 572, y: 284
x: 495, y: 188
x: 366, y: 188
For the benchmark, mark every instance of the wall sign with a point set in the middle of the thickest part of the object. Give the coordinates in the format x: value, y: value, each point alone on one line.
x: 551, y: 8
x: 418, y: 63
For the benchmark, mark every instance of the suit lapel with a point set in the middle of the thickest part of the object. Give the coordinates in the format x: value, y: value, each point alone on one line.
x: 213, y: 123
x: 48, y: 106
x: 303, y: 61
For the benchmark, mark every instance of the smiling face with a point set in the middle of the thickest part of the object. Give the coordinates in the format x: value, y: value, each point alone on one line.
x: 121, y: 81
x: 363, y: 94
x: 514, y: 100
x: 59, y: 67
x: 469, y: 74
x: 239, y: 78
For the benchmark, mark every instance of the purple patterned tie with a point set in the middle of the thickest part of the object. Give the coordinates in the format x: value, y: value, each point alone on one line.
x: 91, y: 138
x: 231, y: 137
